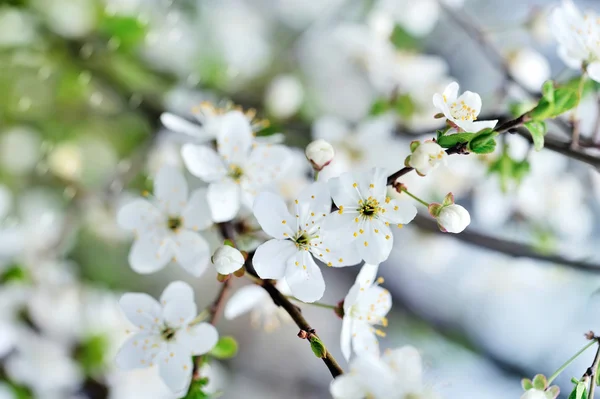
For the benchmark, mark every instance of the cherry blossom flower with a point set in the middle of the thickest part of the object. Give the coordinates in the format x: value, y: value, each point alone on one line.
x: 166, y: 335
x: 166, y: 227
x: 462, y: 111
x: 238, y: 170
x: 396, y: 375
x: 263, y: 312
x: 296, y: 239
x: 365, y: 213
x: 578, y: 37
x: 426, y: 157
x: 365, y: 306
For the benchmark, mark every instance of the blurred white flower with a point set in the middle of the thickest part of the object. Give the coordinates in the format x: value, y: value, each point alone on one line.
x: 418, y: 18
x: 17, y: 28
x: 69, y: 18
x: 138, y: 383
x: 578, y: 37
x: 19, y: 150
x: 365, y: 213
x: 396, y: 375
x: 462, y: 111
x: 320, y: 153
x: 167, y: 229
x: 284, y: 96
x: 296, y: 240
x: 166, y: 335
x: 227, y: 260
x: 426, y: 157
x: 529, y: 68
x: 239, y: 170
x: 263, y: 312
x: 365, y: 306
x: 66, y: 161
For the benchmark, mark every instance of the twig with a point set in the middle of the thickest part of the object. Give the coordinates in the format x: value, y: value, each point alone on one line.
x: 219, y: 302
x: 591, y: 371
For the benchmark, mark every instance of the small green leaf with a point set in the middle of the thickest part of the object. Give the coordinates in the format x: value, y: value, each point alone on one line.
x: 226, y: 348
x: 453, y: 139
x: 317, y: 347
x: 548, y: 91
x: 403, y: 40
x: 195, y: 391
x: 128, y: 31
x: 540, y: 382
x: 483, y: 142
x: 579, y: 392
x: 538, y: 131
x: 380, y: 106
x: 405, y: 106
x: 90, y: 353
x: 14, y: 272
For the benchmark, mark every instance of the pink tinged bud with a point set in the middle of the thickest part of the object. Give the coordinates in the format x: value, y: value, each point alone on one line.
x: 434, y: 209
x: 453, y: 218
x: 319, y: 153
x: 426, y: 157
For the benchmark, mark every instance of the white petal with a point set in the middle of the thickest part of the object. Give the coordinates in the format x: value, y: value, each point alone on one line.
x: 346, y: 337
x: 472, y: 100
x: 375, y: 244
x: 175, y: 368
x: 347, y: 386
x: 266, y: 164
x: 367, y: 275
x: 273, y: 216
x: 343, y: 191
x: 373, y: 183
x: 316, y: 198
x: 376, y: 376
x: 271, y: 258
x: 191, y: 252
x: 235, y: 138
x: 203, y: 162
x: 407, y: 366
x: 177, y: 292
x: 138, y: 351
x: 374, y: 304
x: 139, y: 215
x: 364, y: 340
x: 451, y: 92
x: 568, y: 59
x: 178, y: 304
x: 476, y: 126
x: 244, y: 300
x: 397, y: 212
x: 351, y: 298
x: 224, y: 200
x: 171, y: 190
x: 336, y: 252
x: 140, y: 309
x: 196, y: 215
x: 594, y: 70
x: 198, y: 339
x: 343, y: 224
x: 150, y: 253
x: 304, y: 277
x: 181, y: 125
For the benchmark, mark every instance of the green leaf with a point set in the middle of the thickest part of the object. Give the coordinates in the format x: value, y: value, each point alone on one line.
x: 405, y: 106
x: 379, y: 107
x: 317, y: 347
x: 579, y: 392
x: 538, y: 131
x: 565, y: 99
x: 403, y: 40
x: 517, y: 109
x: 126, y: 30
x: 548, y: 91
x: 226, y: 348
x: 90, y: 353
x: 195, y: 391
x: 452, y: 139
x: 483, y: 142
x: 14, y: 272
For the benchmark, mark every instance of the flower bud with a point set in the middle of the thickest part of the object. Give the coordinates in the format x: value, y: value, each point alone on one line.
x: 320, y: 153
x: 453, y: 218
x: 227, y: 260
x: 426, y: 157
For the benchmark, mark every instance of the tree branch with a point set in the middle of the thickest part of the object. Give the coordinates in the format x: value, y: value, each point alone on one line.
x: 591, y: 371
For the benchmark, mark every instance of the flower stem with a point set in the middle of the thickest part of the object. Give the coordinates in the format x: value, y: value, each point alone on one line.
x: 415, y: 197
x: 568, y: 362
x: 317, y: 304
x: 316, y: 175
x: 200, y: 318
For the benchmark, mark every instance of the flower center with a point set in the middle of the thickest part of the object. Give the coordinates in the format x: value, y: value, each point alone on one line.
x: 174, y: 222
x: 463, y: 112
x: 235, y: 172
x: 302, y: 240
x: 168, y: 333
x: 368, y: 208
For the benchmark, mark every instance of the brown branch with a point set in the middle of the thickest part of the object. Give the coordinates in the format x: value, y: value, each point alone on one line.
x: 591, y: 371
x: 219, y: 302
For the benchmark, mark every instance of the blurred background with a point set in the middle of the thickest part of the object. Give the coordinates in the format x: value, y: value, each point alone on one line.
x: 83, y: 84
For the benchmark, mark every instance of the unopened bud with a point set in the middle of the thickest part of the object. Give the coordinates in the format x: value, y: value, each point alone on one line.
x: 320, y: 153
x: 227, y: 260
x: 317, y: 346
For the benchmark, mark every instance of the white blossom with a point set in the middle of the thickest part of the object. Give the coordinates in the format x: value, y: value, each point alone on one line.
x: 239, y: 170
x: 227, y: 260
x: 165, y: 335
x: 534, y: 394
x: 320, y: 153
x: 578, y: 37
x: 462, y: 111
x: 166, y: 227
x: 529, y: 68
x: 396, y: 375
x: 426, y: 157
x: 296, y: 239
x: 365, y: 213
x: 284, y: 96
x: 263, y: 312
x: 365, y: 306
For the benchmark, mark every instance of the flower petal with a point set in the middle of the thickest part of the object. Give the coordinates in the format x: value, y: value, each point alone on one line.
x: 471, y: 100
x: 203, y: 162
x: 346, y: 337
x: 271, y: 258
x: 244, y: 300
x: 397, y: 212
x: 138, y: 351
x: 139, y: 215
x: 235, y: 138
x: 367, y: 275
x: 476, y: 126
x: 224, y: 200
x: 175, y: 368
x: 407, y: 366
x: 266, y: 164
x: 150, y: 253
x: 178, y: 306
x: 171, y: 190
x: 374, y: 304
x: 196, y: 215
x: 375, y: 244
x: 177, y: 292
x: 451, y: 92
x: 593, y: 69
x: 343, y: 190
x: 304, y: 277
x: 178, y: 124
x: 364, y: 340
x: 335, y: 252
x: 192, y: 252
x: 347, y: 386
x: 140, y: 309
x: 198, y: 339
x: 343, y: 224
x: 273, y: 216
